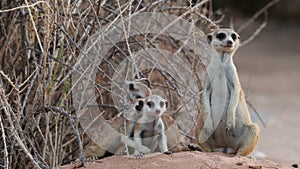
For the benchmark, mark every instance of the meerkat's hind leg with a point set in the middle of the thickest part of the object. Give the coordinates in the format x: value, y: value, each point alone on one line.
x: 206, y: 146
x: 163, y: 144
x: 194, y: 147
x: 138, y: 140
x: 162, y: 139
x: 131, y: 143
x: 249, y: 140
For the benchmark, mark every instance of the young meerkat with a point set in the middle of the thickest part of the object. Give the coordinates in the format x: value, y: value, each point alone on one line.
x: 234, y: 130
x: 150, y: 129
x: 136, y: 89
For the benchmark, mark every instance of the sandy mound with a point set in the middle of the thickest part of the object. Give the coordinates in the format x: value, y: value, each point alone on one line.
x: 182, y: 160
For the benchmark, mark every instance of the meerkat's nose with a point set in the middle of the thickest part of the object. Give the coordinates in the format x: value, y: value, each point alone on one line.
x: 157, y: 111
x: 229, y: 43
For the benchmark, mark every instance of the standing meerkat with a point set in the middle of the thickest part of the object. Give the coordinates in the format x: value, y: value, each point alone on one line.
x: 231, y: 129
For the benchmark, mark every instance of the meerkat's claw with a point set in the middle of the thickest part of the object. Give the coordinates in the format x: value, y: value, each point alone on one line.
x: 230, y: 132
x: 251, y: 157
x: 229, y: 129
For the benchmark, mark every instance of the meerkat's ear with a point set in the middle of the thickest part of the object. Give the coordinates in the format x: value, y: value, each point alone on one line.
x: 147, y: 81
x: 140, y: 105
x: 209, y: 38
x: 138, y: 96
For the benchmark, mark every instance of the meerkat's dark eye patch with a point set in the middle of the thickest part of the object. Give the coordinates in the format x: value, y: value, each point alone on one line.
x: 209, y: 39
x: 140, y: 106
x: 233, y: 36
x: 161, y: 104
x: 138, y: 96
x: 131, y: 87
x: 166, y: 104
x: 221, y: 36
x: 150, y: 104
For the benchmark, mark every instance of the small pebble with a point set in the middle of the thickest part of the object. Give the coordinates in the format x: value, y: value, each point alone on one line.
x: 255, y: 166
x: 295, y: 165
x: 239, y: 163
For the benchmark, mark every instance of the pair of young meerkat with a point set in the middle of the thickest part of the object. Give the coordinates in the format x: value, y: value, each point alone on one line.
x: 122, y: 125
x: 154, y: 128
x: 146, y: 122
x: 234, y: 129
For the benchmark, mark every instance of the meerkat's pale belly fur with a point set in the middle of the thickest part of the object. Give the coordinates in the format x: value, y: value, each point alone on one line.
x: 243, y: 129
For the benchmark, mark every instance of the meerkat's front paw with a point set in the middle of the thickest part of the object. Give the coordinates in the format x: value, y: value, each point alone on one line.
x: 251, y: 157
x: 138, y: 155
x: 230, y: 125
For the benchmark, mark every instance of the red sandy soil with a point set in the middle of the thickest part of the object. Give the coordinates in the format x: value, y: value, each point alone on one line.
x: 182, y: 160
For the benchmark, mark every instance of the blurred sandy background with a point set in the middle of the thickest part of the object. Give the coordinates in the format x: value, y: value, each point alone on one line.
x: 269, y: 69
